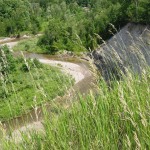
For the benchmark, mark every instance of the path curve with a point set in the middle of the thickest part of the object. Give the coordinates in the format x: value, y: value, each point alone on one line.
x: 75, y: 70
x: 78, y: 72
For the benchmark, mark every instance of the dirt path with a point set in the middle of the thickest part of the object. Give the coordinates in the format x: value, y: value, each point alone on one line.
x: 75, y: 70
x: 79, y: 71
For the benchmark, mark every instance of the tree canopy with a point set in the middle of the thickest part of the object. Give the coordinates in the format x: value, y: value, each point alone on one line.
x: 73, y: 25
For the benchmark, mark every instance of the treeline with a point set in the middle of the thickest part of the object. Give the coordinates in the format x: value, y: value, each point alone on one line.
x: 74, y: 25
x: 17, y: 16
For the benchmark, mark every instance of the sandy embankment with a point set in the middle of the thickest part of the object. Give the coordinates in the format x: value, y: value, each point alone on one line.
x: 70, y: 68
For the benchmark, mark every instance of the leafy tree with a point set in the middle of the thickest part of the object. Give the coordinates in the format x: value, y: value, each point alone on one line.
x: 15, y: 15
x: 139, y: 11
x: 73, y: 25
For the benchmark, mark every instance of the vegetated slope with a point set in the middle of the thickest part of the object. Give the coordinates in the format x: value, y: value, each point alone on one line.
x: 128, y: 49
x: 27, y: 83
x: 117, y: 118
x: 75, y: 28
x: 28, y: 45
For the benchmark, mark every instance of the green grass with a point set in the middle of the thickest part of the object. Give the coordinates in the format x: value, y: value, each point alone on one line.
x: 1, y: 38
x: 117, y: 118
x: 29, y: 45
x: 23, y: 89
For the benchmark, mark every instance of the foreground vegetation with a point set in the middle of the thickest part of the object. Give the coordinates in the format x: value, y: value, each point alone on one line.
x: 25, y: 83
x: 117, y: 118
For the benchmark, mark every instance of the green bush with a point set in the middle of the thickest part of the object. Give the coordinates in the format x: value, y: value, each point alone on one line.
x: 28, y: 81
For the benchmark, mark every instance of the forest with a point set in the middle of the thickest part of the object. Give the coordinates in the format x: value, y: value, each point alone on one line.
x: 72, y: 25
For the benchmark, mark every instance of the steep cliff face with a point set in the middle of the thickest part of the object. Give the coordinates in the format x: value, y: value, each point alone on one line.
x: 127, y: 49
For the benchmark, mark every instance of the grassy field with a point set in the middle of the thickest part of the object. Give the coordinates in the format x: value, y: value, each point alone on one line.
x: 23, y: 88
x: 29, y: 45
x: 117, y: 118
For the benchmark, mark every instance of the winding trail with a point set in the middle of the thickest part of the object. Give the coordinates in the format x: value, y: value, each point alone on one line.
x: 78, y: 69
x: 75, y: 70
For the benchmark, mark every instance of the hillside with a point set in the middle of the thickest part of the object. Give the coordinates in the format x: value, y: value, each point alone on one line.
x: 74, y: 74
x: 128, y: 49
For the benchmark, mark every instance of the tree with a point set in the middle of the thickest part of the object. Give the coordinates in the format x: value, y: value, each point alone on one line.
x: 15, y: 15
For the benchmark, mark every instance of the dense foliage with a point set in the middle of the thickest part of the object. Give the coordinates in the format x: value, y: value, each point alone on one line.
x: 23, y: 84
x: 72, y: 25
x: 17, y: 16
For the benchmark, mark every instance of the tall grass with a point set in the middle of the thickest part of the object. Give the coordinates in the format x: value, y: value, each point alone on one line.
x: 115, y: 118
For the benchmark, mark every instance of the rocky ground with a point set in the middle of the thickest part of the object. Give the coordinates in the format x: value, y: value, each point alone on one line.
x: 128, y: 48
